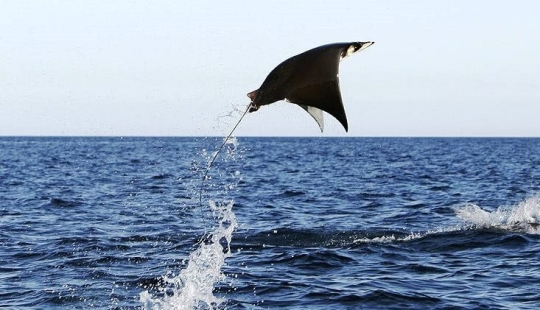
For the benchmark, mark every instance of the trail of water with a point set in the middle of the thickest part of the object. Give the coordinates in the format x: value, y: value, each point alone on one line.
x: 193, y: 287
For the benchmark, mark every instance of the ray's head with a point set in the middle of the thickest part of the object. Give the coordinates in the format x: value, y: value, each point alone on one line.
x: 355, y: 47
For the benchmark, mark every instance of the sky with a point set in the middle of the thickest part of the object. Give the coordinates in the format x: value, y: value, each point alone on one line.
x: 183, y: 68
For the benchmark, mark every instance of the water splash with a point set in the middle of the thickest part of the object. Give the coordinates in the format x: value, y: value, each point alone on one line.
x: 525, y: 216
x: 193, y: 287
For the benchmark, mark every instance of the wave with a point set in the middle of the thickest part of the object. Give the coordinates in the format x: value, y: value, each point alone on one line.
x: 523, y: 217
x: 331, y: 239
x: 478, y: 224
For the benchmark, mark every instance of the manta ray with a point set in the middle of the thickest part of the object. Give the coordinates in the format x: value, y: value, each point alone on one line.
x: 310, y: 80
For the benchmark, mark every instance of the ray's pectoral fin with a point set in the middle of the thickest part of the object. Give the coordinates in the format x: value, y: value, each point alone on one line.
x: 322, y: 96
x: 317, y: 115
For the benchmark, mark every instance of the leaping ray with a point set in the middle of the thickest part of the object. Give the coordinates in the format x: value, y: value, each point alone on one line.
x: 310, y: 80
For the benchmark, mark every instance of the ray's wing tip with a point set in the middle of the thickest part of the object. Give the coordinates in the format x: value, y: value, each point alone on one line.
x: 366, y: 45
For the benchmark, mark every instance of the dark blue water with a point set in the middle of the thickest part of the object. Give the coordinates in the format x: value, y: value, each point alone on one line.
x: 314, y: 223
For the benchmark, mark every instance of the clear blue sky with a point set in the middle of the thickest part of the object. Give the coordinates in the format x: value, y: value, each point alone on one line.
x: 174, y: 68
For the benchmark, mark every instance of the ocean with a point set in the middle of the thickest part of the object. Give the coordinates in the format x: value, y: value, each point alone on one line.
x: 278, y: 223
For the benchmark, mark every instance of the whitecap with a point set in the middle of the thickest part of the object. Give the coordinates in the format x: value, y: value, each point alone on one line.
x: 524, y: 216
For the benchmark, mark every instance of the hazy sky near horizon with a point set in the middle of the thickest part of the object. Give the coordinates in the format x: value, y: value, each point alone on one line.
x: 179, y: 68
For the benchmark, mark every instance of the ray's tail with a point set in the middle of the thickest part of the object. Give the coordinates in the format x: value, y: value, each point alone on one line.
x: 216, y: 153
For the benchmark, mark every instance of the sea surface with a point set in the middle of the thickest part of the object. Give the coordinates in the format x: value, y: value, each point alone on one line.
x: 278, y: 223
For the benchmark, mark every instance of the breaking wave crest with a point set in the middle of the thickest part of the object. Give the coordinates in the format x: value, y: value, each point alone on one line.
x: 522, y: 217
x: 525, y: 216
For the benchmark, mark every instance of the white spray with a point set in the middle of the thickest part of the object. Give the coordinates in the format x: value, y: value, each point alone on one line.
x: 193, y: 287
